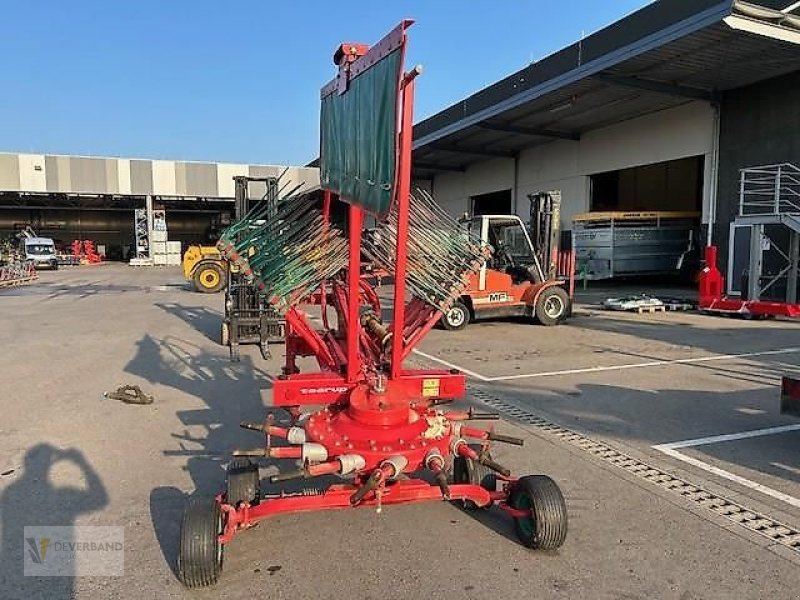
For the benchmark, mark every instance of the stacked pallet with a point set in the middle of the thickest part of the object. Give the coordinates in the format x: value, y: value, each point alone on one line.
x: 165, y: 252
x: 644, y: 303
x: 158, y: 239
x: 173, y: 253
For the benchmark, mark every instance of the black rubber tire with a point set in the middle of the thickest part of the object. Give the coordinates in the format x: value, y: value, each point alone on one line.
x: 550, y: 297
x: 466, y: 470
x: 457, y: 318
x: 200, y: 553
x: 546, y: 528
x: 225, y: 334
x: 209, y: 278
x: 242, y: 482
x: 54, y: 265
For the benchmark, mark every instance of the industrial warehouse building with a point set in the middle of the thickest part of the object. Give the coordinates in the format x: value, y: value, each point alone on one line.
x: 76, y: 197
x: 657, y: 112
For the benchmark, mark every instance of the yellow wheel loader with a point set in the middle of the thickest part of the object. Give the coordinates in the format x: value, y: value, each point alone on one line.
x: 205, y: 268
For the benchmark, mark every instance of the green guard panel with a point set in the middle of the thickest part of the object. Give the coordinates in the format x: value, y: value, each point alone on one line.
x: 359, y: 131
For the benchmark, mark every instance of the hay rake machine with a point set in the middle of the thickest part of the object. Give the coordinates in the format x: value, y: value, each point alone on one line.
x: 382, y: 428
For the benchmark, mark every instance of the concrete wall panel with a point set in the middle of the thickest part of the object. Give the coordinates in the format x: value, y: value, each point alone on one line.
x: 9, y: 172
x: 141, y: 177
x: 88, y: 175
x: 112, y: 175
x: 180, y: 178
x: 32, y: 176
x: 201, y: 179
x: 225, y: 175
x: 124, y: 176
x: 64, y: 174
x: 92, y: 175
x: 51, y: 173
x: 164, y: 178
x: 264, y: 171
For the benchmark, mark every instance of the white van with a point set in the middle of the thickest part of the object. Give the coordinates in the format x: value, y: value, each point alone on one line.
x: 41, y: 251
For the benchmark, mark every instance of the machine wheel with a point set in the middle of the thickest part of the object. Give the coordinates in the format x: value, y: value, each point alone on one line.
x: 209, y: 278
x: 54, y: 265
x: 225, y: 334
x: 552, y: 306
x: 200, y: 552
x: 243, y: 483
x: 457, y: 317
x: 466, y: 470
x: 546, y: 527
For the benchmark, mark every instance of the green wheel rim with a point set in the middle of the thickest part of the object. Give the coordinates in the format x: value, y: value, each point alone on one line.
x: 526, y: 524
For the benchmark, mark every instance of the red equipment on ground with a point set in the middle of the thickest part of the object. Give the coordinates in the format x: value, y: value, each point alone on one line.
x: 381, y: 423
x: 712, y: 299
x: 84, y: 252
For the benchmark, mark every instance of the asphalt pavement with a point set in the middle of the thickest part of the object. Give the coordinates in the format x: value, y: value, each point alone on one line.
x: 636, y: 383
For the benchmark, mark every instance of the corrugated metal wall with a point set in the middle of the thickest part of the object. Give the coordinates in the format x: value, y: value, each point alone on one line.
x: 760, y: 125
x: 89, y: 175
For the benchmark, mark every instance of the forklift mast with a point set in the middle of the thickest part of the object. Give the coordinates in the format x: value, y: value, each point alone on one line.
x: 249, y: 318
x: 242, y: 192
x: 545, y: 229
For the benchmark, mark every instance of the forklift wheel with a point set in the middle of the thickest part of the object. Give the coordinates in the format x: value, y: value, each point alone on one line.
x: 225, y: 334
x: 200, y: 552
x: 552, y: 306
x: 546, y: 527
x: 209, y: 278
x: 456, y: 318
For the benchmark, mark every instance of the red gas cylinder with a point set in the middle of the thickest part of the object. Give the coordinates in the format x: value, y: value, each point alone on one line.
x: 711, y: 282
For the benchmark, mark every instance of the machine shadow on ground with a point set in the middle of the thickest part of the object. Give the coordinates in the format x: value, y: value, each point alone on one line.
x: 44, y: 495
x: 229, y: 392
x: 201, y: 318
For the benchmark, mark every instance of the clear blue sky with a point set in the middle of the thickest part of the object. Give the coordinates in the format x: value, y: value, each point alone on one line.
x: 239, y: 80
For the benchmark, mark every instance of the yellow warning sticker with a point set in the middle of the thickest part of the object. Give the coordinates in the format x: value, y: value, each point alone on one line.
x: 430, y: 387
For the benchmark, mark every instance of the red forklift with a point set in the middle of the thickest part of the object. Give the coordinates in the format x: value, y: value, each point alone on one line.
x: 513, y: 282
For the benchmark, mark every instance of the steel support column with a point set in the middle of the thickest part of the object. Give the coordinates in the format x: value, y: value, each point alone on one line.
x: 756, y: 259
x: 794, y: 265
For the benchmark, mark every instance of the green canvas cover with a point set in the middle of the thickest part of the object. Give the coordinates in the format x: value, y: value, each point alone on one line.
x: 358, y: 137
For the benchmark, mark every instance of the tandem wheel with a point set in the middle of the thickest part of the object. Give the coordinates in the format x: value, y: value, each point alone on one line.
x: 467, y: 470
x: 242, y: 482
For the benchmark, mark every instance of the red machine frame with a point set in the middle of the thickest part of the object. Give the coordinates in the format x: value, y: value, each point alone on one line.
x: 380, y: 422
x: 712, y: 299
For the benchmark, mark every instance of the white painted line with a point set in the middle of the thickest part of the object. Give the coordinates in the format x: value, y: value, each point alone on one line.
x: 730, y: 476
x: 652, y: 363
x: 715, y: 439
x: 450, y: 365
